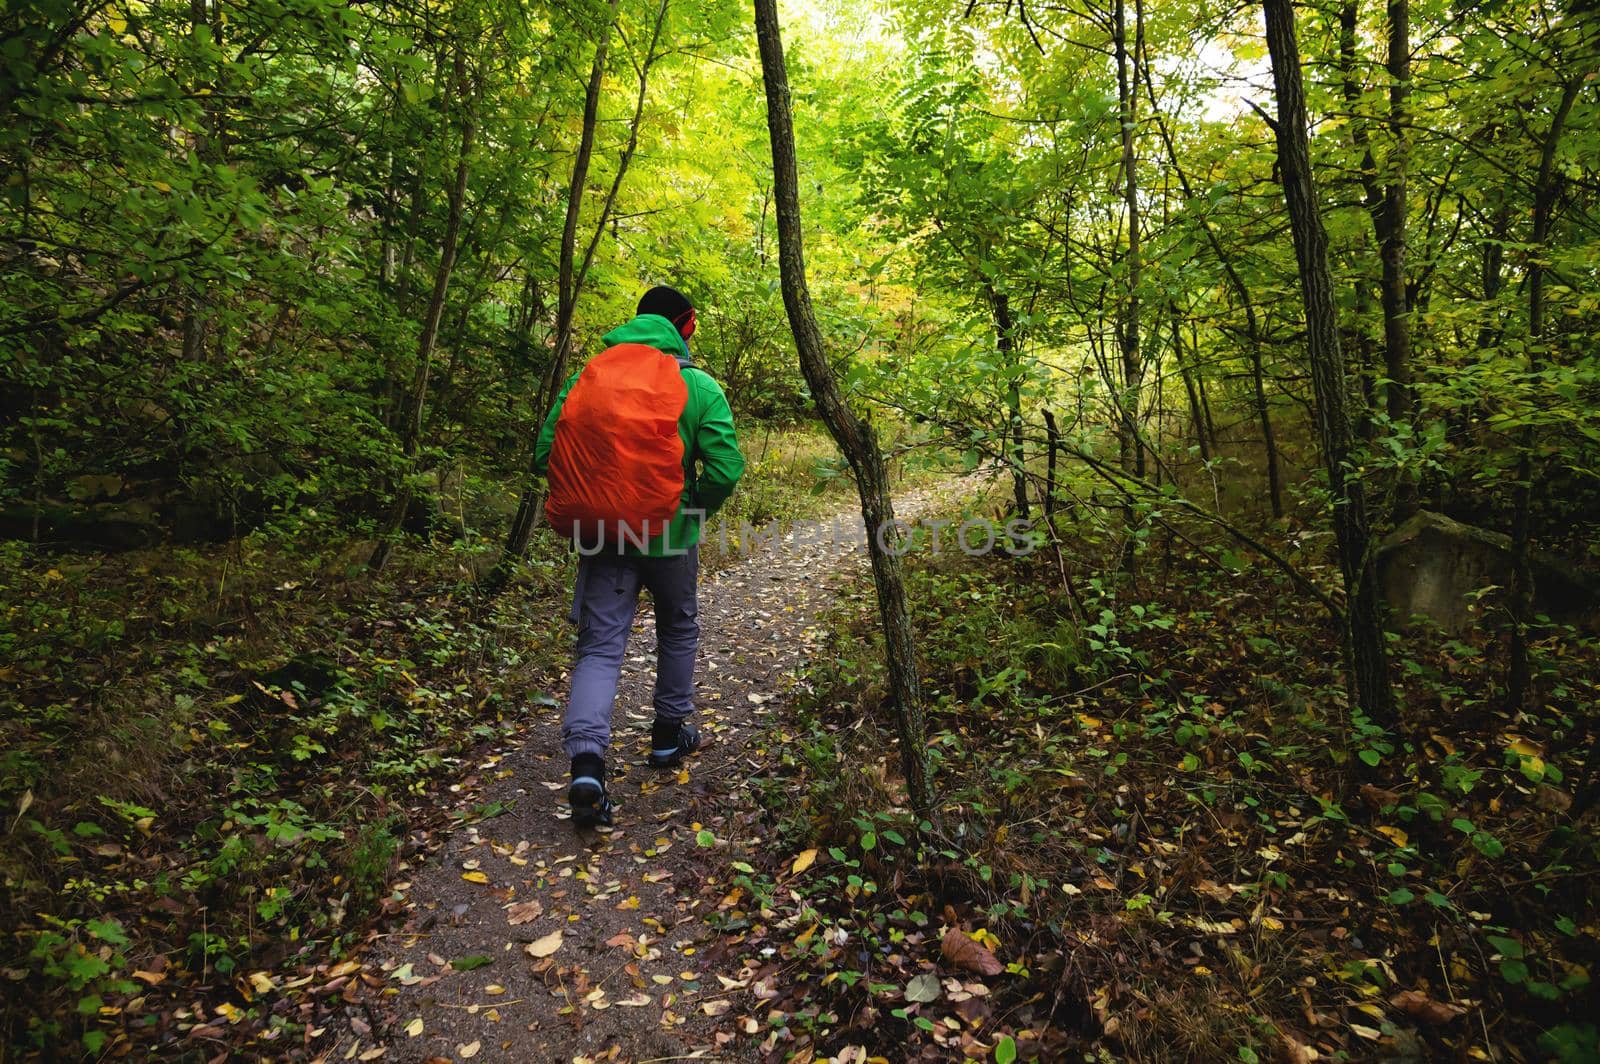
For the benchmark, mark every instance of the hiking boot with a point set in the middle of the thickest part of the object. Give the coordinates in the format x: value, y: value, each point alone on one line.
x: 671, y: 742
x: 591, y: 805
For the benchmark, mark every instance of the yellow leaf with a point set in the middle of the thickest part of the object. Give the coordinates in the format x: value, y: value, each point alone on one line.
x: 1395, y: 835
x: 261, y: 981
x: 470, y: 1050
x: 414, y: 1028
x: 475, y: 877
x: 803, y: 861
x: 1523, y: 747
x: 544, y: 947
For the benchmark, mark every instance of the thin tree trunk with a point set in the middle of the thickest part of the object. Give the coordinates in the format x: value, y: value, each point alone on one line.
x: 1006, y: 341
x: 416, y: 400
x: 1518, y: 678
x: 1252, y: 324
x: 1196, y: 417
x: 1269, y: 442
x: 1128, y: 333
x: 571, y: 280
x: 1053, y: 444
x: 207, y: 145
x: 532, y: 499
x: 854, y: 436
x: 1385, y: 201
x: 1367, y: 660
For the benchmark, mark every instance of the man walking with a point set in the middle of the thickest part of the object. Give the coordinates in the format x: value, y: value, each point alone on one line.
x: 640, y: 450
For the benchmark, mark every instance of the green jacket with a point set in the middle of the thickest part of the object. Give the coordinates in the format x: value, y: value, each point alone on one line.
x: 706, y: 427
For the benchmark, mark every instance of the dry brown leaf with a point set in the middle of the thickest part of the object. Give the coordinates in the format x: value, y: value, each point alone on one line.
x: 1421, y: 1007
x: 524, y: 912
x: 960, y: 950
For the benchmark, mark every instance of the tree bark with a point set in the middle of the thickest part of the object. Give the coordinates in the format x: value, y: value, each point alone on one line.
x: 853, y: 435
x: 416, y: 399
x: 1366, y: 657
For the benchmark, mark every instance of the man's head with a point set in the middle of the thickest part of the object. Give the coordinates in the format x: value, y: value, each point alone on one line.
x: 671, y: 304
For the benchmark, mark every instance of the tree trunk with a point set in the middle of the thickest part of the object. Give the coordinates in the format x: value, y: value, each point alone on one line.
x: 1128, y: 333
x: 1366, y: 657
x: 571, y: 279
x: 1196, y: 416
x: 1006, y: 341
x: 1252, y: 324
x: 1518, y: 678
x: 854, y: 436
x: 1385, y: 201
x: 532, y: 499
x: 416, y: 399
x: 1053, y: 438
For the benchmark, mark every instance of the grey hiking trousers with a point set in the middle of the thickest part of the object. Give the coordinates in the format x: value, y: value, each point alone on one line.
x: 603, y: 605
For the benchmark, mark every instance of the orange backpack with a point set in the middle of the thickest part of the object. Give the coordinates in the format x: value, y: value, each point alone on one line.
x: 616, y: 465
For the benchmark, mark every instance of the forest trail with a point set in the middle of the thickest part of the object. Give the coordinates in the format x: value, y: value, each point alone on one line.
x: 638, y: 973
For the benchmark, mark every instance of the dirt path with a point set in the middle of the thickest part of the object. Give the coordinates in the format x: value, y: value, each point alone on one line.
x: 631, y: 971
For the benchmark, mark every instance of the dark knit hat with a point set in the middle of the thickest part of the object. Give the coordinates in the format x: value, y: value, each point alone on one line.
x: 671, y: 304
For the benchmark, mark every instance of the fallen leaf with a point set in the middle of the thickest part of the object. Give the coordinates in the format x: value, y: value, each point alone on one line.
x: 475, y: 877
x: 524, y: 912
x: 1420, y: 1006
x: 544, y: 947
x: 468, y: 1051
x: 924, y: 987
x: 414, y: 1028
x: 960, y: 950
x: 1394, y: 835
x: 804, y: 860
